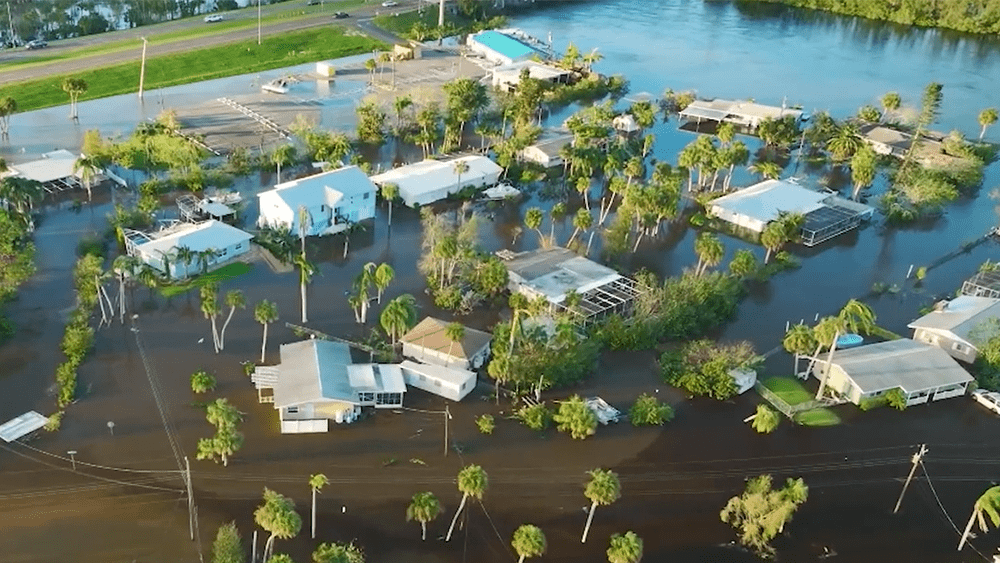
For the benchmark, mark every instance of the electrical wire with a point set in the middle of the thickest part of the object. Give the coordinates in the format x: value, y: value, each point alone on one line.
x: 946, y: 515
x: 97, y: 466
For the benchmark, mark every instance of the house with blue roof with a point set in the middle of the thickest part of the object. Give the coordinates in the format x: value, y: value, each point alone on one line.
x: 501, y: 48
x: 331, y: 201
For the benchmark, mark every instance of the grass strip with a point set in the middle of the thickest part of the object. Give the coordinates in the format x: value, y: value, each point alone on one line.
x: 241, y: 57
x: 227, y: 272
x: 790, y: 390
x: 817, y: 417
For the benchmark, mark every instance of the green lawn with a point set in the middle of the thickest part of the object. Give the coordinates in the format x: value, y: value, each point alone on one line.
x: 229, y: 271
x: 790, y: 390
x: 817, y: 417
x: 402, y: 23
x: 243, y: 57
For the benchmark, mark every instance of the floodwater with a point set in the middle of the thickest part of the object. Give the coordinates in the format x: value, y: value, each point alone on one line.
x: 675, y: 480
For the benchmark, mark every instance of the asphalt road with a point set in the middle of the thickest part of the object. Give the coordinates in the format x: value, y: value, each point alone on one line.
x: 16, y: 74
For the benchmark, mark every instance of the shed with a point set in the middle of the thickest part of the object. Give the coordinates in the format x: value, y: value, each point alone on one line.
x: 952, y: 325
x: 430, y: 180
x: 923, y: 373
x: 427, y: 342
x: 448, y: 382
x: 326, y: 69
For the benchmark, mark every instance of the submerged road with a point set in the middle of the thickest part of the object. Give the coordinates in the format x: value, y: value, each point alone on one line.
x: 360, y: 19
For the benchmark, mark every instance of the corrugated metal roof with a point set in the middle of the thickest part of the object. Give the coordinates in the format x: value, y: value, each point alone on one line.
x: 22, y: 426
x: 903, y: 363
x: 961, y: 315
x: 199, y: 237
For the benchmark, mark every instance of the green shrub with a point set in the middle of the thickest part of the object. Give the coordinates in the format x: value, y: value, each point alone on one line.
x: 486, y: 424
x: 648, y: 411
x: 90, y: 245
x: 449, y: 297
x: 535, y: 417
x: 896, y: 399
x: 202, y: 382
x: 54, y: 422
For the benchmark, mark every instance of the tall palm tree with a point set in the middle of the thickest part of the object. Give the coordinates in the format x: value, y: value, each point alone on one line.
x: 890, y: 103
x: 765, y: 420
x: 210, y: 309
x: 988, y: 503
x: 472, y: 482
x: 582, y: 221
x: 603, y: 489
x: 371, y: 65
x: 460, y: 167
x: 625, y: 548
x: 863, y: 169
x: 125, y: 267
x: 556, y: 215
x: 687, y: 159
x: 739, y: 155
x: 398, y: 316
x: 185, y: 255
x: 87, y: 169
x: 454, y: 332
x: 710, y: 251
x: 234, y: 300
x: 8, y: 107
x: 846, y: 142
x: 304, y: 225
x: 282, y: 156
x: 768, y: 170
x: 528, y: 541
x: 390, y: 192
x: 75, y: 87
x: 278, y: 517
x: 533, y: 220
x: 857, y: 317
x: 381, y: 278
x: 316, y: 483
x: 423, y: 508
x: 265, y: 313
x: 987, y: 117
x: 799, y: 340
x: 306, y: 271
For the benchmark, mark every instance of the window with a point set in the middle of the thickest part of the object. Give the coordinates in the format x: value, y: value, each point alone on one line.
x: 958, y: 347
x: 366, y: 397
x: 462, y: 388
x: 437, y: 383
x: 423, y: 377
x: 367, y: 195
x: 292, y: 410
x: 322, y: 208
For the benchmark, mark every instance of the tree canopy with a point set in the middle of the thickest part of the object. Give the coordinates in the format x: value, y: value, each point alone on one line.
x: 760, y: 513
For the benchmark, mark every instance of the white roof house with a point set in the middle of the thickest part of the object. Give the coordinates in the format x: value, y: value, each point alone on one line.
x: 54, y: 171
x: 428, y: 342
x: 953, y: 325
x: 332, y: 199
x: 826, y: 214
x: 159, y: 249
x: 428, y: 181
x: 507, y: 77
x: 546, y: 152
x: 922, y: 372
x: 317, y: 381
x: 745, y: 113
x: 449, y: 382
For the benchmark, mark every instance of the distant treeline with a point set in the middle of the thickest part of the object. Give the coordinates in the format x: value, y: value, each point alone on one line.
x: 974, y: 16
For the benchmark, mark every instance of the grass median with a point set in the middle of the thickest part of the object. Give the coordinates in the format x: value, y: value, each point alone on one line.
x: 241, y: 57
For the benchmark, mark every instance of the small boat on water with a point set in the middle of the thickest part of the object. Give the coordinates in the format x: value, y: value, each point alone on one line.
x: 276, y: 86
x: 225, y: 198
x: 501, y: 191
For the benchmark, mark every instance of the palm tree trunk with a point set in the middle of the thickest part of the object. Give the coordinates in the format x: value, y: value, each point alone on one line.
x: 968, y: 528
x: 829, y: 363
x: 303, y: 291
x: 268, y: 546
x: 314, y: 514
x: 423, y: 530
x: 263, y: 344
x: 767, y: 256
x: 222, y: 333
x: 590, y: 518
x: 215, y: 335
x: 455, y: 519
x: 121, y: 299
x: 390, y: 214
x: 225, y: 460
x: 521, y: 560
x: 638, y: 239
x: 347, y: 240
x: 729, y: 178
x: 589, y: 241
x: 575, y: 231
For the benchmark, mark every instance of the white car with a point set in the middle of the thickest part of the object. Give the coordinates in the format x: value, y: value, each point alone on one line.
x: 988, y: 399
x: 389, y: 4
x: 213, y: 18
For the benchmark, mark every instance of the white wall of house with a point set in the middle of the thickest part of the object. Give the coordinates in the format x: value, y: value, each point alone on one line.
x: 956, y: 347
x: 538, y: 156
x: 442, y: 358
x: 179, y: 270
x: 443, y: 387
x: 275, y: 213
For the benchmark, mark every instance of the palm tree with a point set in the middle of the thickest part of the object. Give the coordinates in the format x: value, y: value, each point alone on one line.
x: 283, y: 155
x: 87, y: 169
x: 472, y: 482
x: 125, y: 267
x: 398, y: 316
x: 459, y: 167
x: 710, y: 251
x: 8, y: 107
x: 338, y: 553
x: 389, y: 192
x: 74, y: 87
x: 846, y: 142
x: 371, y: 65
x: 304, y: 225
x: 184, y: 255
x: 799, y: 340
x: 768, y: 170
x: 988, y: 503
x: 625, y: 548
x: 205, y: 258
x: 556, y: 215
x: 454, y: 332
x: 582, y: 221
x: 381, y: 278
x: 738, y: 156
x: 857, y: 317
x: 590, y: 58
x: 772, y: 238
x: 890, y: 102
x: 266, y: 313
x: 533, y: 220
x: 234, y: 300
x: 987, y: 117
x: 687, y: 159
x: 278, y: 517
x: 210, y: 308
x: 583, y: 188
x: 400, y: 104
x: 603, y: 489
x: 862, y: 169
x: 423, y: 508
x: 306, y: 271
x: 528, y: 541
x: 316, y: 483
x: 765, y: 420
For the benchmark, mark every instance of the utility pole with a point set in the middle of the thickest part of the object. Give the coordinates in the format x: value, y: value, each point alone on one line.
x: 447, y: 415
x: 258, y: 22
x: 916, y: 461
x: 142, y: 68
x: 10, y: 22
x: 440, y: 14
x: 187, y: 481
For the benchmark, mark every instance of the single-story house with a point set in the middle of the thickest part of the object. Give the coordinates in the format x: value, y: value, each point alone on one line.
x: 317, y: 382
x: 507, y: 77
x: 553, y: 273
x: 826, y: 214
x: 743, y: 113
x: 428, y: 343
x: 430, y: 180
x: 923, y: 373
x: 547, y: 152
x: 501, y: 48
x: 952, y: 325
x: 332, y: 200
x: 214, y: 240
x: 448, y: 382
x: 54, y: 171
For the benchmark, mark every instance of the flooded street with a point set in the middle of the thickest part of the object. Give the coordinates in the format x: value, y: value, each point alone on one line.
x: 125, y: 502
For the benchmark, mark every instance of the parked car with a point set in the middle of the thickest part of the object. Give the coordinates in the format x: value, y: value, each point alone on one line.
x: 213, y: 18
x: 389, y: 3
x: 988, y: 399
x: 340, y: 15
x: 36, y: 44
x: 312, y: 3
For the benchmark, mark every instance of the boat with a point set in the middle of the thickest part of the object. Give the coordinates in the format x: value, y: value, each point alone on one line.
x: 225, y: 198
x: 276, y: 86
x: 501, y: 191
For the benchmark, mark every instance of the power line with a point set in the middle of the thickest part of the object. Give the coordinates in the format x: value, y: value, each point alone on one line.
x: 154, y: 385
x: 97, y: 466
x: 946, y: 515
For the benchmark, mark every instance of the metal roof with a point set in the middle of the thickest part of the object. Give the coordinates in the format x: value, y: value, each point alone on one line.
x: 199, y: 237
x: 433, y: 175
x: 903, y: 363
x: 55, y: 165
x: 960, y: 316
x: 22, y: 426
x: 555, y: 271
x: 312, y: 371
x: 325, y: 188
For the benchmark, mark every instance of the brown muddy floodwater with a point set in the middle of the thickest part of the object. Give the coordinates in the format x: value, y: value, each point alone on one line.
x: 125, y: 502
